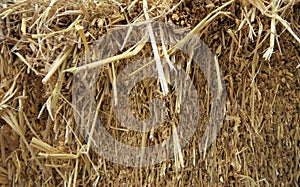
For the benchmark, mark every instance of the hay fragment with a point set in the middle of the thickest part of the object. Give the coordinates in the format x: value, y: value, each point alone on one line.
x: 161, y: 75
x: 267, y: 55
x: 57, y: 63
x: 129, y: 53
x: 25, y: 61
x: 165, y: 53
x: 83, y: 38
x: 58, y: 156
x: 70, y: 28
x: 177, y: 148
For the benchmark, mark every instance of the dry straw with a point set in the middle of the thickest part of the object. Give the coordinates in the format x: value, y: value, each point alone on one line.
x: 42, y: 43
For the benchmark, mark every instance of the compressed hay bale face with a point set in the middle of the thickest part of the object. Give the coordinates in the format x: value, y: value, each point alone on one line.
x: 40, y: 143
x: 184, y: 110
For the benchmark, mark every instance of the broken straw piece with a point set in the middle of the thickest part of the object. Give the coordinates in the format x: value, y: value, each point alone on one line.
x: 165, y: 50
x: 161, y: 74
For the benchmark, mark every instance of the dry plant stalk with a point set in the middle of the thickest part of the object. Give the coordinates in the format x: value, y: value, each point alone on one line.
x: 127, y: 54
x: 161, y: 75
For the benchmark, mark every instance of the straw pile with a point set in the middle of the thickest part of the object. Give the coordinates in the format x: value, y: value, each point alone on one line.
x: 256, y: 44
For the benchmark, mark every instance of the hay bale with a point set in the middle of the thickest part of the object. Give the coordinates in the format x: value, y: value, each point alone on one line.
x: 42, y: 45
